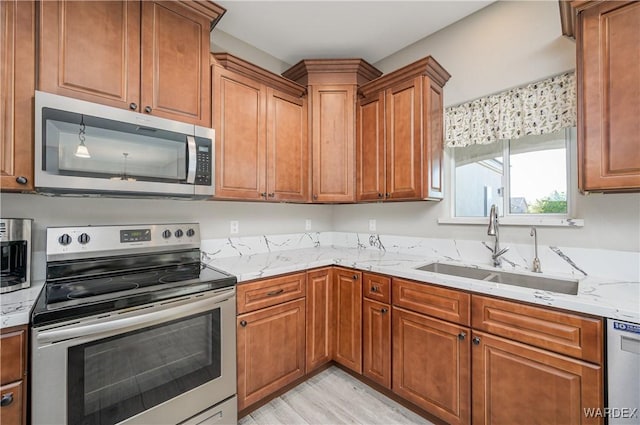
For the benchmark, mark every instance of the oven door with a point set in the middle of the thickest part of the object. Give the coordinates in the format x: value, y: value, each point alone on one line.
x: 158, y: 364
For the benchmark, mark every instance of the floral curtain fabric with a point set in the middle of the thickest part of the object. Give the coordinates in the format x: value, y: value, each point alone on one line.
x: 537, y: 108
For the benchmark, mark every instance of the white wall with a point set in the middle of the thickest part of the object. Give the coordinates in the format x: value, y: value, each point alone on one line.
x: 222, y: 42
x: 255, y: 218
x: 504, y: 45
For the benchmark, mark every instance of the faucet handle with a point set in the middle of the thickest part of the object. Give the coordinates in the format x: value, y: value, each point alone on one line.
x: 502, y: 251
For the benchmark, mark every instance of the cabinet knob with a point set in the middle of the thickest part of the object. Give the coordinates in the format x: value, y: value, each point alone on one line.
x: 355, y: 277
x: 386, y: 195
x: 384, y: 310
x: 7, y: 399
x: 315, y: 197
x: 21, y: 180
x: 243, y: 323
x: 374, y: 289
x: 462, y: 335
x: 148, y: 109
x: 272, y: 195
x: 263, y: 194
x: 380, y: 195
x: 133, y: 106
x: 476, y: 340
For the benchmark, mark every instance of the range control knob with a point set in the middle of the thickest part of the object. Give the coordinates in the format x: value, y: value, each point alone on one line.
x: 191, y: 232
x: 84, y: 238
x: 166, y: 234
x: 178, y: 233
x: 64, y: 239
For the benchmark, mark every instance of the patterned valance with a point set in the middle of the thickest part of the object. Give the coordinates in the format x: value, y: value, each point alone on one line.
x: 542, y: 107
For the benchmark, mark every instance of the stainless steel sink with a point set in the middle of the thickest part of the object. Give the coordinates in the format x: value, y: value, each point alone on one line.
x: 562, y: 286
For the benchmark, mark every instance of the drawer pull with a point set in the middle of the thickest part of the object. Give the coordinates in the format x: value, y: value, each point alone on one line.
x: 374, y: 289
x: 7, y: 399
x: 276, y: 292
x: 243, y: 323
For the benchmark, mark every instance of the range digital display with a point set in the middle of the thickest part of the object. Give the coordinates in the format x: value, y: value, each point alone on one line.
x: 135, y: 235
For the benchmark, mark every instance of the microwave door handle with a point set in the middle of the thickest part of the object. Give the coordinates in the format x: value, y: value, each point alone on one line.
x: 191, y: 159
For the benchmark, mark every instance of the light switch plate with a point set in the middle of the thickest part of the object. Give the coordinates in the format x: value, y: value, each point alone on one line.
x: 372, y: 225
x: 307, y: 224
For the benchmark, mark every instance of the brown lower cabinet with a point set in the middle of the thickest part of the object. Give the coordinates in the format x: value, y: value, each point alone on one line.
x: 13, y: 382
x: 462, y: 357
x: 514, y: 383
x: 431, y: 365
x: 271, y: 350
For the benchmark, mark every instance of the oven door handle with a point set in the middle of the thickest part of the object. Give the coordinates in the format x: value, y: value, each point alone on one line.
x: 142, y: 319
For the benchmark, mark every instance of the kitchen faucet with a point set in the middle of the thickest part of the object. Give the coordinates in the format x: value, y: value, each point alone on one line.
x: 536, y: 261
x: 493, y: 231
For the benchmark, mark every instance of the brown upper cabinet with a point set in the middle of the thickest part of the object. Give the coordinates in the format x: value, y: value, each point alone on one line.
x: 17, y: 85
x: 608, y: 72
x: 147, y: 56
x: 332, y: 85
x: 261, y: 124
x: 400, y: 134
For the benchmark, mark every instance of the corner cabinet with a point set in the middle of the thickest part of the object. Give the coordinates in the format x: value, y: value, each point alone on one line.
x: 261, y: 131
x: 147, y: 56
x: 17, y: 85
x: 608, y: 71
x: 400, y: 134
x: 332, y: 86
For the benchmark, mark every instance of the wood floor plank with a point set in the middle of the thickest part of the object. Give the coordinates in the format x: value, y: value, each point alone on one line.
x: 333, y: 397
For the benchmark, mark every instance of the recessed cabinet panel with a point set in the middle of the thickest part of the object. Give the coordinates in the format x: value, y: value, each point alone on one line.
x: 240, y: 145
x: 403, y: 140
x: 175, y: 62
x: 287, y: 148
x: 608, y: 69
x: 371, y: 150
x: 348, y: 311
x: 91, y: 50
x: 333, y: 144
x: 320, y: 318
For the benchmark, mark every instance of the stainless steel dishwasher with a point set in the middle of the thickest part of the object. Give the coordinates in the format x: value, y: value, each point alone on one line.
x: 623, y: 372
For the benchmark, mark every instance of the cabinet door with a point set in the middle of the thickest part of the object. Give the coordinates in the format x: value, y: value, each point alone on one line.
x: 17, y: 84
x: 14, y: 412
x: 270, y: 350
x: 348, y: 312
x: 433, y: 140
x: 320, y: 318
x: 608, y: 71
x: 175, y: 63
x: 91, y: 51
x: 238, y: 116
x: 432, y: 366
x: 403, y: 140
x: 287, y: 148
x: 333, y: 143
x: 370, y: 160
x: 513, y: 383
x: 376, y: 342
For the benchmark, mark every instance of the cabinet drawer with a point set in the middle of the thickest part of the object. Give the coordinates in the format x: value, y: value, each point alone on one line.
x: 377, y: 287
x: 446, y: 304
x: 12, y: 354
x: 267, y: 292
x: 563, y: 332
x: 13, y: 412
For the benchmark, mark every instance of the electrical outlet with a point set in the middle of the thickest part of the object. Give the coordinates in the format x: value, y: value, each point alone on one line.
x: 372, y: 225
x: 234, y: 227
x: 307, y: 224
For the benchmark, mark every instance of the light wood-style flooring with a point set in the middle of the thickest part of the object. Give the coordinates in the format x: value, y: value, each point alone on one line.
x: 332, y: 397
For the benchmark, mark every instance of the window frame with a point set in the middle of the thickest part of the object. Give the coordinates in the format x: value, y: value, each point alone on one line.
x: 506, y: 218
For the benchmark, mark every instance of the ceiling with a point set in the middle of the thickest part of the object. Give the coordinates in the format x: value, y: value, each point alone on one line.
x: 372, y: 30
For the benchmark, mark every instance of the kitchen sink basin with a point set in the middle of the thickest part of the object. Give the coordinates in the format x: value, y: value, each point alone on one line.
x: 562, y: 286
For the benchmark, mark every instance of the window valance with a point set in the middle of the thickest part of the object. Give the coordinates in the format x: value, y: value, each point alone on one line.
x: 542, y: 107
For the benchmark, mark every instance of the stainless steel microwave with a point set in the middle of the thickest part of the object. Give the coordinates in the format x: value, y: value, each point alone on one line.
x: 86, y: 148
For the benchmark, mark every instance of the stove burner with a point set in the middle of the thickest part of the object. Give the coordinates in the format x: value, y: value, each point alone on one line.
x: 139, y: 276
x: 101, y: 290
x: 176, y: 277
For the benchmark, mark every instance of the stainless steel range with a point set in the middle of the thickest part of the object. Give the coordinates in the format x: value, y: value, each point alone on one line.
x: 131, y: 328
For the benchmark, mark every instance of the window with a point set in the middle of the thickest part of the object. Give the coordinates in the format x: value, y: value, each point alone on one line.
x: 527, y: 178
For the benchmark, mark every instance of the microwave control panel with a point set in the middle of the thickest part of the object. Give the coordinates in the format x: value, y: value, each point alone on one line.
x: 203, y: 162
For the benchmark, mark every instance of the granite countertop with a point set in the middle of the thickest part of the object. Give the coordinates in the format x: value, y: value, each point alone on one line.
x: 596, y: 295
x: 15, y: 306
